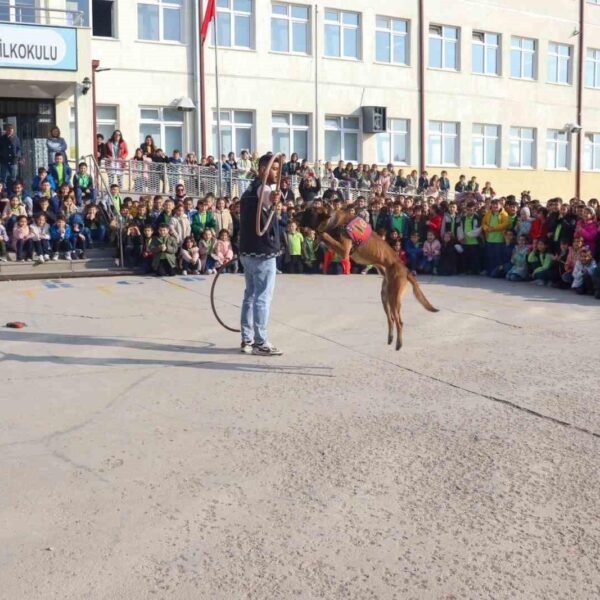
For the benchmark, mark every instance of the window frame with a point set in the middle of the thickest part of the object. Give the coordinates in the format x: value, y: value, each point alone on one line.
x: 114, y: 23
x: 521, y: 140
x: 163, y: 5
x: 100, y: 122
x: 591, y: 148
x: 232, y: 12
x: 443, y: 136
x: 485, y: 138
x: 557, y: 143
x: 342, y: 26
x: 485, y: 45
x: 595, y: 61
x: 522, y: 51
x: 163, y: 124
x: 392, y: 34
x: 231, y: 123
x: 342, y: 131
x: 456, y: 41
x: 559, y: 58
x: 290, y: 20
x: 390, y: 133
x: 291, y: 128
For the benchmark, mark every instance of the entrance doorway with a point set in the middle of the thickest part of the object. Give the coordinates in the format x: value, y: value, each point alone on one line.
x: 33, y: 120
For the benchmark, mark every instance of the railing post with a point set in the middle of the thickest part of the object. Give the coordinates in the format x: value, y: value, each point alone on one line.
x: 165, y: 178
x: 129, y: 174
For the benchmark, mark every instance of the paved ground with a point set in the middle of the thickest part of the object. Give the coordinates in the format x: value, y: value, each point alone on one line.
x: 143, y: 457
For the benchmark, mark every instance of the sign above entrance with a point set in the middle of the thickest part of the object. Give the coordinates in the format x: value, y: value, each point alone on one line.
x: 38, y: 47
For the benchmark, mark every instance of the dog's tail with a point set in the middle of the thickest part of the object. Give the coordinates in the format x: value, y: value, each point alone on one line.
x: 419, y: 295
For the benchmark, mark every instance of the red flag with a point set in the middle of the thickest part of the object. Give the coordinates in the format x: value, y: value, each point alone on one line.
x: 208, y: 17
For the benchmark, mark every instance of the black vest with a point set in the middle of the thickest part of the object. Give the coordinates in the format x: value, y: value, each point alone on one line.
x: 267, y: 245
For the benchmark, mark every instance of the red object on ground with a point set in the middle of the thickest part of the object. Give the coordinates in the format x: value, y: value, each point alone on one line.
x: 16, y: 324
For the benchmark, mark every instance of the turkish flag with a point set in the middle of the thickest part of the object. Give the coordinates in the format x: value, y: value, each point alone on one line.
x: 208, y: 17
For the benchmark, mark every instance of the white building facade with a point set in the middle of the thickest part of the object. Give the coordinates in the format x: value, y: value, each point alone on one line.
x: 481, y: 87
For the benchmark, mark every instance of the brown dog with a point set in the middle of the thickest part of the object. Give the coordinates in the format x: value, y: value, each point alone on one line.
x: 348, y: 235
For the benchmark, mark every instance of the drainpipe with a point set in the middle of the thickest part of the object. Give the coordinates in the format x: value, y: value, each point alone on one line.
x: 95, y: 65
x: 580, y: 97
x: 421, y: 42
x: 316, y: 53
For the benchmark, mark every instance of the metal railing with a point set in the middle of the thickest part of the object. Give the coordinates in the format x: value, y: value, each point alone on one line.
x: 105, y: 203
x: 11, y: 12
x: 142, y: 177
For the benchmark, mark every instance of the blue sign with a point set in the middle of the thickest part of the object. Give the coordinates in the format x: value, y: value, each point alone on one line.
x: 38, y: 47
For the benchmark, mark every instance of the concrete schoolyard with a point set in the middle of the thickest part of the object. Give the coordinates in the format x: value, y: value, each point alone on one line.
x: 142, y: 456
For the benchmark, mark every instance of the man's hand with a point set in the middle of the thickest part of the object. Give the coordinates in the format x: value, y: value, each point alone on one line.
x: 163, y: 248
x: 275, y: 197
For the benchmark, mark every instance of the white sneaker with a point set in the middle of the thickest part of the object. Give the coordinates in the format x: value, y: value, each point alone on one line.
x: 55, y: 256
x: 184, y: 272
x: 3, y: 259
x: 68, y: 256
x: 246, y: 348
x: 266, y: 349
x: 41, y: 259
x: 46, y: 257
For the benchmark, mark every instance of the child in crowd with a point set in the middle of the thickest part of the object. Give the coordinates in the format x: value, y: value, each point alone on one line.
x: 585, y: 270
x: 83, y: 185
x: 541, y: 263
x: 223, y: 253
x: 189, y: 257
x: 147, y: 250
x: 293, y: 243
x: 414, y: 252
x: 397, y: 248
x: 448, y: 254
x: 431, y: 254
x: 519, y: 270
x: 565, y: 261
x: 21, y: 239
x: 205, y: 248
x: 132, y: 243
x: 164, y: 249
x: 310, y: 249
x: 60, y: 238
x: 40, y: 236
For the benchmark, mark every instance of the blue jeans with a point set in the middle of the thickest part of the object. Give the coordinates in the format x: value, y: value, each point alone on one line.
x: 259, y: 274
x: 8, y: 175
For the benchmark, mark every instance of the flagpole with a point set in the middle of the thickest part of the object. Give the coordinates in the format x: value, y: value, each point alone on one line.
x: 219, y: 150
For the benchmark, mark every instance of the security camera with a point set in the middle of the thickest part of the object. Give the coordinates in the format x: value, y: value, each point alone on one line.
x: 573, y: 127
x: 185, y: 105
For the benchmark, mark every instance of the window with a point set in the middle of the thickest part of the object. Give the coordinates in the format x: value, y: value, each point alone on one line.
x: 486, y: 53
x: 485, y: 146
x: 591, y: 152
x: 393, y: 145
x: 341, y: 138
x: 391, y: 41
x: 443, y: 143
x: 522, y: 148
x: 165, y: 125
x: 290, y: 133
x: 237, y: 131
x: 18, y: 11
x: 290, y: 28
x: 78, y: 14
x: 592, y: 68
x: 342, y: 34
x: 557, y: 149
x: 559, y: 63
x: 103, y: 18
x: 523, y: 58
x: 160, y: 20
x: 234, y: 24
x: 106, y: 120
x: 443, y: 47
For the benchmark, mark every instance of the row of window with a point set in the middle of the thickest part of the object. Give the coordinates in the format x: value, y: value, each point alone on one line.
x: 162, y: 20
x: 291, y: 132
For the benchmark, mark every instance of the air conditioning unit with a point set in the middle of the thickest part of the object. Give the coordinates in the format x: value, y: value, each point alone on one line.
x: 374, y: 119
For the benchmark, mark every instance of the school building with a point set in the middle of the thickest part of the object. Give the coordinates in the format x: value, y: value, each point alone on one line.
x: 508, y: 91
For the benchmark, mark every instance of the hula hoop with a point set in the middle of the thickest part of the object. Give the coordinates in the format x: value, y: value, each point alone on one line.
x: 212, y: 298
x: 259, y: 231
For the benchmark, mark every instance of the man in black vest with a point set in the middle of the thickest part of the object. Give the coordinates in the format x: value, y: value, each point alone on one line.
x: 257, y: 255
